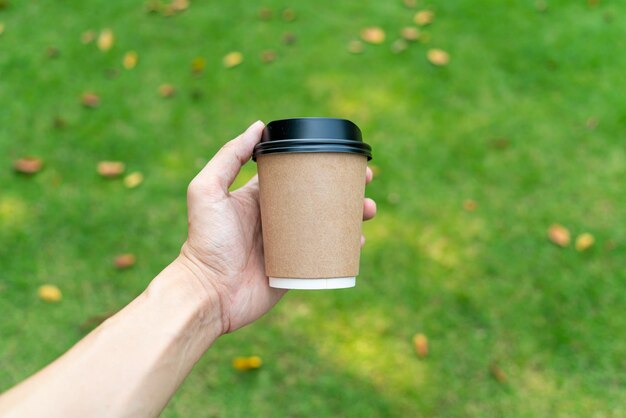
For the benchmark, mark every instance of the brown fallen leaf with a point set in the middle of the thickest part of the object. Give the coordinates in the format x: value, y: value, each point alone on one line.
x: 438, y: 57
x: 373, y: 35
x: 289, y: 38
x: 265, y: 13
x: 500, y: 143
x: 584, y: 241
x: 106, y: 39
x: 197, y: 65
x: 124, y: 261
x: 28, y: 165
x: 424, y: 17
x: 410, y: 33
x: 410, y: 3
x: 232, y: 59
x: 130, y: 60
x: 49, y: 293
x: 497, y: 373
x: 90, y: 99
x: 133, y: 180
x: 355, y: 47
x: 559, y: 235
x: 268, y: 56
x: 111, y: 169
x: 420, y: 343
x: 289, y: 15
x: 470, y: 205
x: 179, y: 5
x: 167, y: 91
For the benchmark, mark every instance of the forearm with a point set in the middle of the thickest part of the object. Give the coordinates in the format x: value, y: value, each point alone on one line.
x: 132, y: 364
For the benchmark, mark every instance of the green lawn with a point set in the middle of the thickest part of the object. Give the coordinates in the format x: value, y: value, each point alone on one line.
x: 528, y: 120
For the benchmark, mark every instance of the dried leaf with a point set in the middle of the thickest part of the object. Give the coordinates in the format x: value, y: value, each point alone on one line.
x: 438, y: 57
x: 49, y: 293
x: 247, y: 363
x: 355, y: 47
x: 88, y: 36
x: 106, y: 39
x: 197, y: 65
x: 410, y: 3
x: 497, y: 373
x: 399, y: 45
x: 124, y: 261
x: 289, y: 38
x: 232, y: 59
x: 28, y: 165
x: 133, y: 180
x: 559, y: 235
x: 265, y: 13
x: 179, y: 5
x: 424, y: 17
x: 584, y: 241
x: 90, y: 99
x: 130, y: 60
x: 420, y: 343
x: 410, y: 33
x: 373, y: 35
x: 111, y: 169
x: 470, y: 205
x: 167, y: 90
x: 289, y: 15
x: 499, y: 143
x: 268, y: 56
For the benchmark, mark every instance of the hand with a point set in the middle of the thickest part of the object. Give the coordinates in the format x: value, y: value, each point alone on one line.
x: 224, y: 248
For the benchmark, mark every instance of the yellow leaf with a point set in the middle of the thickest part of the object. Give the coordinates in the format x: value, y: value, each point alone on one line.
x: 424, y: 17
x: 244, y: 364
x: 255, y: 362
x: 130, y: 60
x: 584, y: 242
x: 373, y: 35
x: 420, y: 343
x: 233, y: 59
x: 49, y: 293
x: 438, y: 57
x: 410, y: 33
x: 197, y: 65
x: 559, y: 235
x: 133, y: 180
x: 106, y: 40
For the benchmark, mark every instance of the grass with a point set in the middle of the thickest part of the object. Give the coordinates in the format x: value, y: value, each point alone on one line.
x: 510, y: 123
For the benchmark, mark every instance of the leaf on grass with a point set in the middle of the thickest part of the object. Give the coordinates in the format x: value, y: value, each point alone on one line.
x: 49, y: 293
x: 28, y: 165
x: 133, y: 180
x: 268, y: 56
x: 373, y: 35
x: 410, y: 33
x: 410, y: 3
x: 197, y: 65
x: 424, y: 17
x: 470, y: 205
x: 106, y: 39
x: 559, y: 235
x: 584, y: 241
x: 289, y: 15
x: 124, y: 261
x: 90, y: 99
x: 232, y: 59
x: 88, y: 36
x: 289, y: 38
x: 497, y: 373
x: 179, y: 5
x: 265, y: 13
x: 355, y: 47
x: 167, y: 91
x: 130, y: 60
x: 438, y: 57
x: 244, y: 364
x: 420, y: 343
x: 111, y: 169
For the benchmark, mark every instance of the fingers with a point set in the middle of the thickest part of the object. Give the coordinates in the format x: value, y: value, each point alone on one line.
x: 220, y: 172
x: 369, y: 175
x: 369, y: 209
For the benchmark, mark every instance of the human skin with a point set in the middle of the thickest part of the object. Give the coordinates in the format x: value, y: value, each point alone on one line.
x: 131, y: 365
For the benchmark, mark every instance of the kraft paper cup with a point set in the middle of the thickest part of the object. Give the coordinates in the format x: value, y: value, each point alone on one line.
x: 312, y: 183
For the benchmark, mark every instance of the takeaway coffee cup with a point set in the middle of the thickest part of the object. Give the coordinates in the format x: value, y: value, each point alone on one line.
x: 312, y: 183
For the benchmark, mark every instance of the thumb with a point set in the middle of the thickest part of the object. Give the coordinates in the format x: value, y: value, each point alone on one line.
x: 220, y: 172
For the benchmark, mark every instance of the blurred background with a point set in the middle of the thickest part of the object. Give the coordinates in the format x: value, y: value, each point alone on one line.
x: 492, y: 281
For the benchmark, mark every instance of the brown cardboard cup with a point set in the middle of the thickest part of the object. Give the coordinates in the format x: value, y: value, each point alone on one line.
x: 311, y: 212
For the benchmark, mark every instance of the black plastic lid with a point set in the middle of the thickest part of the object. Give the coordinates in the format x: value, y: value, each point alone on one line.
x: 311, y: 135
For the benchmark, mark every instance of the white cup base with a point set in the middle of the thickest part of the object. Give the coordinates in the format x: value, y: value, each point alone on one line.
x: 313, y: 284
